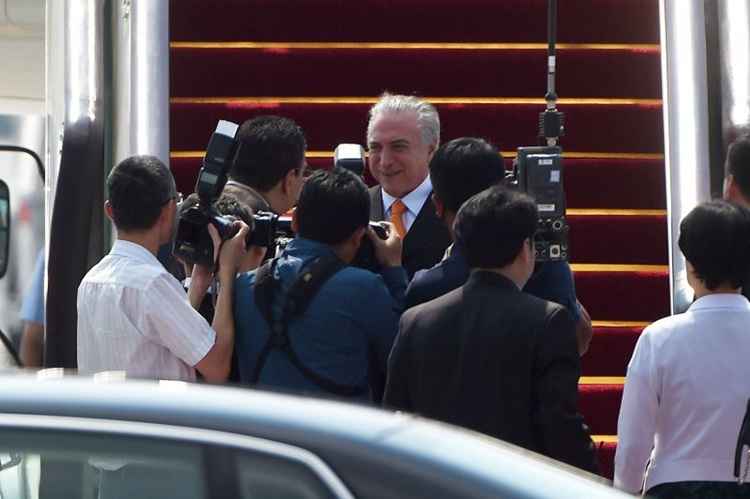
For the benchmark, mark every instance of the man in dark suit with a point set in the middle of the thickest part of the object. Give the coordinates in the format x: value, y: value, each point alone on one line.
x: 458, y: 170
x: 402, y: 135
x: 737, y: 182
x: 487, y: 356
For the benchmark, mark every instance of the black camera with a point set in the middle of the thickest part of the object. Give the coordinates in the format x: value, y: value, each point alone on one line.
x: 193, y: 243
x: 270, y: 230
x: 538, y: 172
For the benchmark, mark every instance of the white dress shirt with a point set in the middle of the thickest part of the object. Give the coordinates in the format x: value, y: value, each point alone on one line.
x: 134, y: 316
x: 413, y: 202
x: 686, y: 391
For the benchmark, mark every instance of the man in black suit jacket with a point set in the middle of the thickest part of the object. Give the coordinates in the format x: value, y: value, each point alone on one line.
x: 458, y: 170
x: 487, y: 356
x: 402, y: 135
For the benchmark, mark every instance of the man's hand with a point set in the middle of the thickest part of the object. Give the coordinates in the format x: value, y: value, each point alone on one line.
x: 584, y: 330
x: 388, y: 251
x: 232, y: 252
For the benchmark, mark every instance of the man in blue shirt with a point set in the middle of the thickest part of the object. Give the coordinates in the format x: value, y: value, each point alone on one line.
x: 460, y: 169
x: 32, y: 314
x: 345, y: 334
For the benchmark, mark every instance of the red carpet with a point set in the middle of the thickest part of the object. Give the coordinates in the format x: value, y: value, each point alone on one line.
x: 323, y: 62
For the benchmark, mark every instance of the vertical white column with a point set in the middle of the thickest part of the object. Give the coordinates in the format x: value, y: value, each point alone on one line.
x: 686, y: 138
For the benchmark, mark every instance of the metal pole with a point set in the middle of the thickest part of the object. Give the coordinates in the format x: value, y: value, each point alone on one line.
x: 734, y: 57
x: 686, y: 117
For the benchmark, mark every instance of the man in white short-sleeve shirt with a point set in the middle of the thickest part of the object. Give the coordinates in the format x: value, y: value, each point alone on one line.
x: 133, y: 315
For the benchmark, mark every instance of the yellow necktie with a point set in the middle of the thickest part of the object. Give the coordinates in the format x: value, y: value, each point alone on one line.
x: 397, y: 217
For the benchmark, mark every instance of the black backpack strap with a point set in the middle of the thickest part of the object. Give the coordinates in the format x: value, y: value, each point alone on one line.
x: 298, y: 298
x: 264, y: 288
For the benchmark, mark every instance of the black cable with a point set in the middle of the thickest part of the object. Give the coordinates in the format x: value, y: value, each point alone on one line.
x: 551, y: 96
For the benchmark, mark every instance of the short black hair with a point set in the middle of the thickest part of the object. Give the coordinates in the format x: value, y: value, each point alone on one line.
x: 464, y: 167
x: 139, y: 187
x: 715, y: 239
x: 332, y: 205
x: 228, y: 204
x: 269, y: 148
x: 492, y: 226
x: 738, y: 163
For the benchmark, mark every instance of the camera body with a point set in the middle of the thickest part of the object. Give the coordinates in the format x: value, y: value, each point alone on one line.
x: 538, y: 172
x: 193, y: 243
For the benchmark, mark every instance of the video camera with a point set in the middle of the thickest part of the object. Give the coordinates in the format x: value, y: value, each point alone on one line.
x: 193, y: 243
x: 538, y: 171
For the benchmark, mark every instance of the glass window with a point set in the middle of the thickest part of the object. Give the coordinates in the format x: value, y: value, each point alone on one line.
x: 49, y: 464
x: 264, y: 476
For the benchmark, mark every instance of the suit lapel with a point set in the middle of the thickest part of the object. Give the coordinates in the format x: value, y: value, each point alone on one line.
x: 376, y: 204
x: 425, y: 223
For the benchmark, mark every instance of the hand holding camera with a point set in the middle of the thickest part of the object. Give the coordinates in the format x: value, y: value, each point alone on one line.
x: 387, y: 244
x: 232, y: 252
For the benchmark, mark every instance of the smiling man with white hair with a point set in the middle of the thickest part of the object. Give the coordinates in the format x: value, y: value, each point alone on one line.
x: 403, y: 133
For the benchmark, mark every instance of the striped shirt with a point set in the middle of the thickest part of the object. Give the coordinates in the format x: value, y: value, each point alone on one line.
x: 134, y: 316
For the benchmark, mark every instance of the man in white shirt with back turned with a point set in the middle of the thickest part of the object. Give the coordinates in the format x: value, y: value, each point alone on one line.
x: 134, y: 316
x: 688, y: 382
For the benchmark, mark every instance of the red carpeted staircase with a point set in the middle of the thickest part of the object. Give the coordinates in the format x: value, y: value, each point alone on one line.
x: 482, y: 62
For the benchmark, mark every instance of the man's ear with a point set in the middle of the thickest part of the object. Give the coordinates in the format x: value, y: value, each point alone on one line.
x: 527, y: 250
x: 356, y: 237
x: 439, y: 206
x: 108, y: 210
x: 295, y: 221
x: 730, y: 188
x: 287, y: 185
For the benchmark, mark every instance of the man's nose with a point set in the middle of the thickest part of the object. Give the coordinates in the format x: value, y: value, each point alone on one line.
x: 385, y: 158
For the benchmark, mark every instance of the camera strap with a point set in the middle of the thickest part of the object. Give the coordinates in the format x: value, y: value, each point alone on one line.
x: 303, y: 290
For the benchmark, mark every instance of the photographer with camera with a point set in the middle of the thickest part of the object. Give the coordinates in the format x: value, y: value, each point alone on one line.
x: 132, y: 314
x: 460, y: 169
x: 268, y: 168
x: 308, y: 321
x: 229, y: 206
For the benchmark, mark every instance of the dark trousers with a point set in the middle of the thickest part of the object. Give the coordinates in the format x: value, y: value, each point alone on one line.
x: 700, y: 490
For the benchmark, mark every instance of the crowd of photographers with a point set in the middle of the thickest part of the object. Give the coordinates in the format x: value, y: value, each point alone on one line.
x: 456, y: 321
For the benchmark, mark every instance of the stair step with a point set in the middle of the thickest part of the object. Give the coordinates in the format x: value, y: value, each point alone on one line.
x: 611, y: 348
x: 605, y: 448
x: 623, y: 292
x: 599, y: 401
x: 413, y: 20
x: 225, y: 72
x: 622, y: 236
x: 596, y: 125
x: 639, y: 180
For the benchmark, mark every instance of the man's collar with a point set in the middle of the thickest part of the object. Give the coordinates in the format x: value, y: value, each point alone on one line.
x: 133, y: 250
x: 251, y: 191
x: 482, y: 276
x: 721, y: 300
x: 414, y: 200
